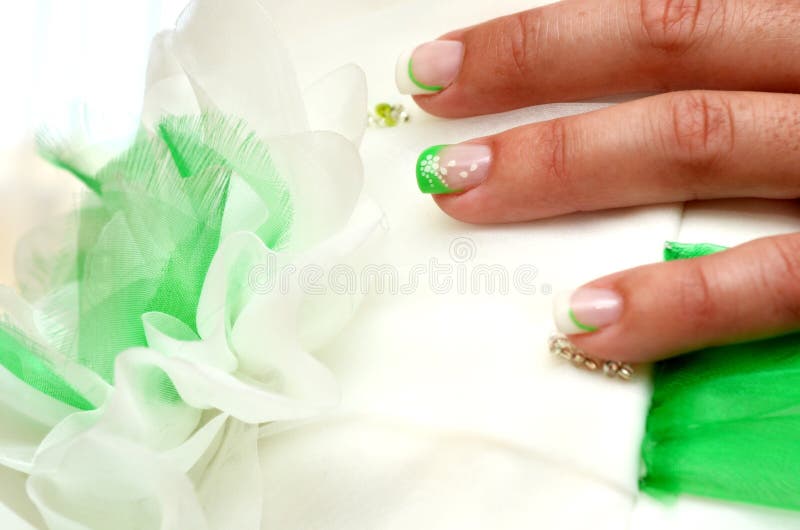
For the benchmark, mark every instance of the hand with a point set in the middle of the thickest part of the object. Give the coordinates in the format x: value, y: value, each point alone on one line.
x: 728, y: 126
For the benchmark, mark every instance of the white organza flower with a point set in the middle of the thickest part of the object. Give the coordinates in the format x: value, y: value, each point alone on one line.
x: 173, y: 444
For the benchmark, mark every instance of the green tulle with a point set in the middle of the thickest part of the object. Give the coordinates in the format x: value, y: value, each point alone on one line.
x: 725, y: 422
x: 144, y: 243
x: 26, y: 361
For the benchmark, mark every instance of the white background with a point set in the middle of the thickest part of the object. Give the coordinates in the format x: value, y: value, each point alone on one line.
x: 55, y: 53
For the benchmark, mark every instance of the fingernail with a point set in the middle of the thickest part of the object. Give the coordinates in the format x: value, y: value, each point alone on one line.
x: 430, y: 67
x: 586, y: 310
x: 452, y: 168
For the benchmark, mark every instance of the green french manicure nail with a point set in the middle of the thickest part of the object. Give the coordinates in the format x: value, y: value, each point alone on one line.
x: 444, y: 169
x: 430, y: 67
x: 586, y: 310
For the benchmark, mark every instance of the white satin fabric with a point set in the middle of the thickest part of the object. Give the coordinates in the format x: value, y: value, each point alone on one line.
x: 452, y: 413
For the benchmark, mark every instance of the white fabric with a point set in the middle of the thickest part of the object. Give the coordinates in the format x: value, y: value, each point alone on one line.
x: 452, y: 413
x: 12, y: 521
x: 146, y: 458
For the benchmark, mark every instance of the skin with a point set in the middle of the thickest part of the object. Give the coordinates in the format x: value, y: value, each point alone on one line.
x: 727, y: 124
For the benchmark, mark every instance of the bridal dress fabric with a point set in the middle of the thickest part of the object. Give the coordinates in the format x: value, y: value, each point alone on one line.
x: 414, y: 406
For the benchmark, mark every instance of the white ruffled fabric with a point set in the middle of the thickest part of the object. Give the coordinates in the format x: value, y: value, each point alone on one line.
x: 469, y: 423
x: 143, y: 462
x: 452, y: 414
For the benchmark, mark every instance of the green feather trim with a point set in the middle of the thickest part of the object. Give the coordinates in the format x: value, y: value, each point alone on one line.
x: 146, y: 241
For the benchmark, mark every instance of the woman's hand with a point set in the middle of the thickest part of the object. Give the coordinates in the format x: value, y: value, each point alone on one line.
x: 729, y: 126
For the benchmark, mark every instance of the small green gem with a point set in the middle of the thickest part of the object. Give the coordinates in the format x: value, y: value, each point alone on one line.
x: 383, y: 110
x: 385, y: 113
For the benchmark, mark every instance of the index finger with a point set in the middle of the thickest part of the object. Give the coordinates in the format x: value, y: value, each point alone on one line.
x: 577, y: 49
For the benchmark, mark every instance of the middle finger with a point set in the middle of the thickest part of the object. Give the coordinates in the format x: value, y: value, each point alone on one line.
x: 666, y: 148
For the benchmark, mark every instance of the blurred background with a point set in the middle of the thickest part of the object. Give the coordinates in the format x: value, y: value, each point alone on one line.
x: 58, y: 54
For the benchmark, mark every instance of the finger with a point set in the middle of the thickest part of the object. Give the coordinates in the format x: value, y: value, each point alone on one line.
x: 577, y: 49
x: 656, y: 311
x: 666, y: 148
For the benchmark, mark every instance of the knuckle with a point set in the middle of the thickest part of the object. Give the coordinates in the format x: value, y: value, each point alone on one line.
x: 554, y: 144
x: 782, y: 274
x: 695, y: 296
x: 700, y: 128
x: 520, y: 42
x: 676, y: 26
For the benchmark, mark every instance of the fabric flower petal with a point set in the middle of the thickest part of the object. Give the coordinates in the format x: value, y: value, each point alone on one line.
x: 251, y: 76
x: 9, y: 519
x: 104, y: 481
x: 167, y: 88
x: 173, y: 338
x: 325, y: 175
x: 246, y: 398
x: 26, y: 416
x: 338, y: 103
x: 323, y: 315
x: 228, y: 481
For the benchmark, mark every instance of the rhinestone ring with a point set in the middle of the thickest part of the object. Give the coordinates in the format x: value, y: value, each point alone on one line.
x: 561, y: 346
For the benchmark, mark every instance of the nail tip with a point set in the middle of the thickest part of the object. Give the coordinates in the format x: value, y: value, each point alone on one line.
x: 404, y: 84
x: 429, y: 180
x: 561, y: 314
x: 586, y: 310
x: 406, y: 80
x: 403, y: 78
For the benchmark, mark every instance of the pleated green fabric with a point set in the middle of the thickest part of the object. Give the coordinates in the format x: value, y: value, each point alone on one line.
x: 724, y: 422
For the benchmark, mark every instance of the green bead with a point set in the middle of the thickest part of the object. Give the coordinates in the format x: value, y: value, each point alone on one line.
x: 385, y: 112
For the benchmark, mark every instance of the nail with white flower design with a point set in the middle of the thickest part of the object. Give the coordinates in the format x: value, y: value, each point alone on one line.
x: 430, y: 67
x: 454, y: 168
